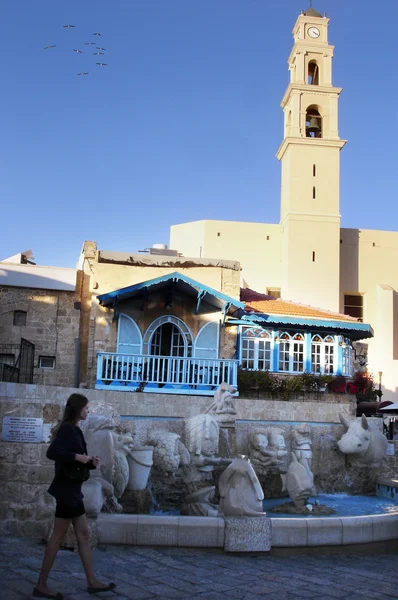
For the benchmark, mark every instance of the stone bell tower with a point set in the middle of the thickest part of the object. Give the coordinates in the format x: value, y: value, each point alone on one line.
x: 310, y: 157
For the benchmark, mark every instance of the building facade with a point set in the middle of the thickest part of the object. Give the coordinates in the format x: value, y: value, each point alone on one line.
x: 307, y: 257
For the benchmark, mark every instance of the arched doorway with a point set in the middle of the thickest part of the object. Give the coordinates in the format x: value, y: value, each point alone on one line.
x: 168, y: 340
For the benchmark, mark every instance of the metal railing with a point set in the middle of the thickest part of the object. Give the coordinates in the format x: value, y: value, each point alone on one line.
x: 141, y: 370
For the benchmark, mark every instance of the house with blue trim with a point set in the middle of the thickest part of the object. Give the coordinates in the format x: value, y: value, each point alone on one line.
x: 176, y: 333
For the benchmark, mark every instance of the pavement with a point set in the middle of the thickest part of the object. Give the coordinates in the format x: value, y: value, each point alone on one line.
x: 144, y: 573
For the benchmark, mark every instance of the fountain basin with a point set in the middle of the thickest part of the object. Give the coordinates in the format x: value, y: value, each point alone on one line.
x: 209, y: 532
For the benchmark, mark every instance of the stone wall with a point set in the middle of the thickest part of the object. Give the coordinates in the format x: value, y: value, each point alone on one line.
x: 52, y: 325
x: 26, y: 509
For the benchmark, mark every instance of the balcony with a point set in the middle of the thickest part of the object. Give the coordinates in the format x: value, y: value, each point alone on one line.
x: 163, y: 374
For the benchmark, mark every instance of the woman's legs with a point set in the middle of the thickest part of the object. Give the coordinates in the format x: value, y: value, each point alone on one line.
x: 60, y: 529
x: 83, y: 543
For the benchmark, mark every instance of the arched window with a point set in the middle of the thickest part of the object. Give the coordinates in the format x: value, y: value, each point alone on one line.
x: 206, y: 343
x: 291, y: 353
x: 313, y: 122
x: 323, y: 355
x: 313, y: 73
x: 168, y: 336
x: 255, y: 349
x: 129, y: 339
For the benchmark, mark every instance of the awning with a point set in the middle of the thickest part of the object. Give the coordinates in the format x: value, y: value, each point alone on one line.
x: 174, y: 281
x: 353, y: 330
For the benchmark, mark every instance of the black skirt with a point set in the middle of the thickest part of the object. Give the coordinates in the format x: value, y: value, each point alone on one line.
x: 64, y: 511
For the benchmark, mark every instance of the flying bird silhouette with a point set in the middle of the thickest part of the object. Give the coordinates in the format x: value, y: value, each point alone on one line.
x: 100, y: 48
x: 69, y: 26
x: 89, y: 43
x: 78, y: 51
x: 47, y: 47
x: 100, y: 34
x: 83, y: 73
x: 102, y: 64
x: 98, y: 54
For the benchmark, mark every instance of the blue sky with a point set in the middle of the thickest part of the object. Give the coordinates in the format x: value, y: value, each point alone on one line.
x: 183, y: 124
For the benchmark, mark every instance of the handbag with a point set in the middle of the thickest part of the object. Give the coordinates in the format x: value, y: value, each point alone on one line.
x: 77, y: 472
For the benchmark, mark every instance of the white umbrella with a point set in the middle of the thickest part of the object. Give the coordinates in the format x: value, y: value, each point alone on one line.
x: 390, y: 407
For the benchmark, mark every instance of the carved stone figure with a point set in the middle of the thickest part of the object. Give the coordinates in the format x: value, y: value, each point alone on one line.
x: 277, y: 449
x: 240, y: 490
x: 198, y: 504
x: 202, y: 434
x: 259, y: 454
x: 299, y: 481
x: 169, y: 453
x: 302, y: 444
x: 113, y: 472
x: 223, y: 407
x: 363, y: 440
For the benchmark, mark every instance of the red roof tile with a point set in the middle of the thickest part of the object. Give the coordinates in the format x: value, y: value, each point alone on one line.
x: 269, y: 305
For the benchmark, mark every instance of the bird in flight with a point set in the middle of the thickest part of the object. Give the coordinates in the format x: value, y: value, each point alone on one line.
x: 89, y: 43
x: 47, y: 47
x: 83, y: 73
x: 100, y: 34
x: 69, y: 26
x: 78, y: 51
x: 98, y: 54
x: 100, y: 48
x: 102, y: 64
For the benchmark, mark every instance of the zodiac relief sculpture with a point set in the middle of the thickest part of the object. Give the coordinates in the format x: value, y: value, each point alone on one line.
x: 241, y: 494
x: 199, y: 503
x: 116, y: 451
x: 268, y: 451
x: 169, y: 453
x: 363, y: 441
x: 202, y: 434
x: 223, y: 408
x: 299, y: 479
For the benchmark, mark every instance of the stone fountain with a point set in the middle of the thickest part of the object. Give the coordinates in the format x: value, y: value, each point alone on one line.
x: 201, y: 481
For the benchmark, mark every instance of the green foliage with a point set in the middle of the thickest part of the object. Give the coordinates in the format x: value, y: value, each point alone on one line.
x: 264, y: 382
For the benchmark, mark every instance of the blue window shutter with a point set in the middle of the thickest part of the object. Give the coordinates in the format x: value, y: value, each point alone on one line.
x: 129, y: 339
x: 206, y: 343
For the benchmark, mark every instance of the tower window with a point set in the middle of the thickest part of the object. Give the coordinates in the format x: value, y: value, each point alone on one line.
x: 313, y: 122
x: 314, y: 192
x: 314, y: 170
x: 313, y: 73
x: 218, y: 234
x: 353, y: 305
x: 313, y: 257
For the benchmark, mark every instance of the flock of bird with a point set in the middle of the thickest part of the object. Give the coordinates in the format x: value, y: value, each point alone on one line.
x: 99, y: 50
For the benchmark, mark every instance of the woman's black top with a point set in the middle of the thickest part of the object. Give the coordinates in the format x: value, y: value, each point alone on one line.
x: 68, y: 442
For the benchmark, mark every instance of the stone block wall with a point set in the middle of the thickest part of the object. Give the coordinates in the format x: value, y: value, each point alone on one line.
x: 52, y: 325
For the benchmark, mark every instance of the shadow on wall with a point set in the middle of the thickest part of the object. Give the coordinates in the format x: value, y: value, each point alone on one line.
x: 349, y: 263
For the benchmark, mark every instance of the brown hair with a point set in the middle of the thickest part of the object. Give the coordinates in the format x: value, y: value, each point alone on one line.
x: 74, y: 404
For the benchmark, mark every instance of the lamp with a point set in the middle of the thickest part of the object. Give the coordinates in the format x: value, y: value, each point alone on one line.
x: 380, y: 374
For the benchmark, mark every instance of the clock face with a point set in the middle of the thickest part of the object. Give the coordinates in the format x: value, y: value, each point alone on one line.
x: 313, y: 32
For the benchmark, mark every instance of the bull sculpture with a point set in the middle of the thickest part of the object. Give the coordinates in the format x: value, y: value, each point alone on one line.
x: 363, y: 441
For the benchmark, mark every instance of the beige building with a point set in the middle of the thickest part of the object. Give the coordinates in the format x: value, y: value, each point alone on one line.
x: 308, y: 257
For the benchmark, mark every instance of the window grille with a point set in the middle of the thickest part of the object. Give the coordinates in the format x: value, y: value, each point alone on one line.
x: 353, y: 305
x: 256, y: 349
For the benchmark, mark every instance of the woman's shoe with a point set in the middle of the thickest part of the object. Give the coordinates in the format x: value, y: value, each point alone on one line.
x: 96, y: 590
x: 38, y: 594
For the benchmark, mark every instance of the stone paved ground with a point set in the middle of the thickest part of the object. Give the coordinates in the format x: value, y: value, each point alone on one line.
x: 177, y: 573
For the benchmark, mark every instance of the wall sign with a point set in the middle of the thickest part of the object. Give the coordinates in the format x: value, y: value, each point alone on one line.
x: 390, y: 449
x: 22, y: 429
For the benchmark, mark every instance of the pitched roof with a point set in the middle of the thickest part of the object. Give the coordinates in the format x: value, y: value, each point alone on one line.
x: 184, y: 283
x: 263, y: 304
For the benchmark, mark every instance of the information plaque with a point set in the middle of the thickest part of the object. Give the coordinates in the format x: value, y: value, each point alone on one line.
x: 22, y: 429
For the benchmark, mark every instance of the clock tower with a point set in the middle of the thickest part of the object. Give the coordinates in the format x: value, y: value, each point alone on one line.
x: 310, y: 159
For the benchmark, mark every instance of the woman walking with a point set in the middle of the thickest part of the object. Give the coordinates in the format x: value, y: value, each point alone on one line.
x: 69, y: 451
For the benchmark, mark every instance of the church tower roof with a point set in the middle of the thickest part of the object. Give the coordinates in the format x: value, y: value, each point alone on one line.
x: 311, y: 12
